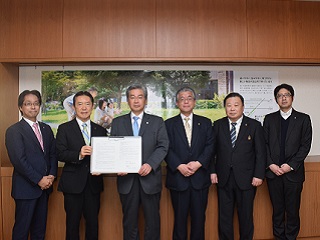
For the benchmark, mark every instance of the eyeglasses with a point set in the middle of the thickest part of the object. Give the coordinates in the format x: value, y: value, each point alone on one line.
x: 286, y: 95
x: 29, y: 104
x: 185, y: 99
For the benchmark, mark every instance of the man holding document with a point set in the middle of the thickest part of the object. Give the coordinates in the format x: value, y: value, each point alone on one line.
x: 81, y: 189
x: 145, y: 186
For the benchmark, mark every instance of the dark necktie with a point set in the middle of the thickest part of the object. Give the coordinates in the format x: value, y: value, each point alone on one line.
x: 233, y: 134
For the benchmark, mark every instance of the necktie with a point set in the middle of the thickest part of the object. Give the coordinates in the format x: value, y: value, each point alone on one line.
x: 233, y: 134
x: 37, y: 132
x: 85, y: 134
x: 135, y: 126
x: 188, y: 129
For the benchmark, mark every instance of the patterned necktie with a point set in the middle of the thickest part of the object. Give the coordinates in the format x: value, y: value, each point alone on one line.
x: 85, y: 134
x: 233, y: 134
x: 37, y: 132
x: 188, y: 129
x: 135, y: 126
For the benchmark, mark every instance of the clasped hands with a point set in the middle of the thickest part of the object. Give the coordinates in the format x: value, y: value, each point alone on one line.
x: 284, y: 168
x: 189, y: 169
x: 46, y: 182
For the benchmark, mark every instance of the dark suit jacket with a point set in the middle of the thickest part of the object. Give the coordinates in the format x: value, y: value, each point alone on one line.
x: 76, y: 173
x: 180, y: 152
x: 155, y: 145
x: 29, y: 161
x: 247, y: 159
x: 298, y: 143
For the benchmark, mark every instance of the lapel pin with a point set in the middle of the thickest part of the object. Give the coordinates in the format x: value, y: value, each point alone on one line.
x: 249, y: 137
x: 147, y: 122
x: 199, y: 124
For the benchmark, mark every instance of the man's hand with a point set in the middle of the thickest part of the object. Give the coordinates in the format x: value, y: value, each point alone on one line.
x: 194, y: 166
x: 276, y: 169
x: 214, y: 178
x: 145, y: 170
x: 256, y: 182
x: 185, y: 170
x: 46, y: 182
x: 85, y: 151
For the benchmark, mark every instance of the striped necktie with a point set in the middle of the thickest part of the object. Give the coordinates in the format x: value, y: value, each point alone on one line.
x: 188, y: 129
x: 37, y: 132
x: 85, y: 134
x: 233, y: 134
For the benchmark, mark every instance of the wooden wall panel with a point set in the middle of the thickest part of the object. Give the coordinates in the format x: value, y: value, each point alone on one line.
x: 283, y: 29
x: 305, y: 23
x: 203, y: 28
x: 9, y: 91
x: 269, y: 34
x: 108, y: 28
x: 110, y: 217
x: 31, y: 29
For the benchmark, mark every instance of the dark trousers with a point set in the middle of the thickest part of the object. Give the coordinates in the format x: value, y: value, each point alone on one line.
x: 76, y: 205
x: 230, y: 196
x: 193, y: 202
x: 285, y: 198
x: 31, y: 216
x: 130, y: 208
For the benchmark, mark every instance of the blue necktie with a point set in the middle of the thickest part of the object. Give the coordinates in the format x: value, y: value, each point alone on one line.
x: 233, y: 134
x: 135, y: 126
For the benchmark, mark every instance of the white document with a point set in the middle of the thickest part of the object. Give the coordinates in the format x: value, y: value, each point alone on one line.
x: 116, y: 154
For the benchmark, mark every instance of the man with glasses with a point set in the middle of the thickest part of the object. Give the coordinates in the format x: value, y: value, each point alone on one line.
x: 188, y: 160
x: 31, y: 149
x: 288, y: 135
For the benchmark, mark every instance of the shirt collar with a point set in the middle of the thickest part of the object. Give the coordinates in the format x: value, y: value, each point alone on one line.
x: 239, y: 121
x: 285, y: 115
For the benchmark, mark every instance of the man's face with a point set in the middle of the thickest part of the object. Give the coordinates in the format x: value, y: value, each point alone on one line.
x: 30, y: 107
x: 83, y: 108
x: 234, y: 108
x: 284, y: 99
x: 137, y: 101
x: 186, y: 102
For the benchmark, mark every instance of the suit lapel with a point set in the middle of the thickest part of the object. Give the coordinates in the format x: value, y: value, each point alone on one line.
x: 179, y: 125
x: 292, y: 123
x: 77, y: 131
x: 195, y: 133
x: 243, y: 129
x: 128, y: 125
x: 226, y: 131
x: 29, y: 131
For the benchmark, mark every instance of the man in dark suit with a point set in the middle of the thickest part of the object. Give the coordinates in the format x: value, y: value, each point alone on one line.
x: 239, y: 167
x: 81, y: 189
x: 288, y: 135
x: 145, y: 186
x: 188, y: 160
x: 31, y: 149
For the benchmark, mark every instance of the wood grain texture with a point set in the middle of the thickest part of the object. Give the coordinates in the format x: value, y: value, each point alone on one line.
x: 203, y: 28
x: 31, y: 29
x: 107, y: 28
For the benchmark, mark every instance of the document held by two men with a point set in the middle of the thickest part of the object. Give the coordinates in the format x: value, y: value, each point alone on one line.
x: 116, y: 154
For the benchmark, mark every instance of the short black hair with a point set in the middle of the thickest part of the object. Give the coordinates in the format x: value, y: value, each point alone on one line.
x: 233, y: 94
x: 285, y: 86
x: 82, y: 93
x: 25, y: 93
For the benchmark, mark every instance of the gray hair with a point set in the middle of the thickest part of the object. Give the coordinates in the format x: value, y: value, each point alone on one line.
x: 137, y: 86
x: 186, y: 89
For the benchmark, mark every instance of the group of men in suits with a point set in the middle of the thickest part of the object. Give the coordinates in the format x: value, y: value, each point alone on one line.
x: 236, y: 154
